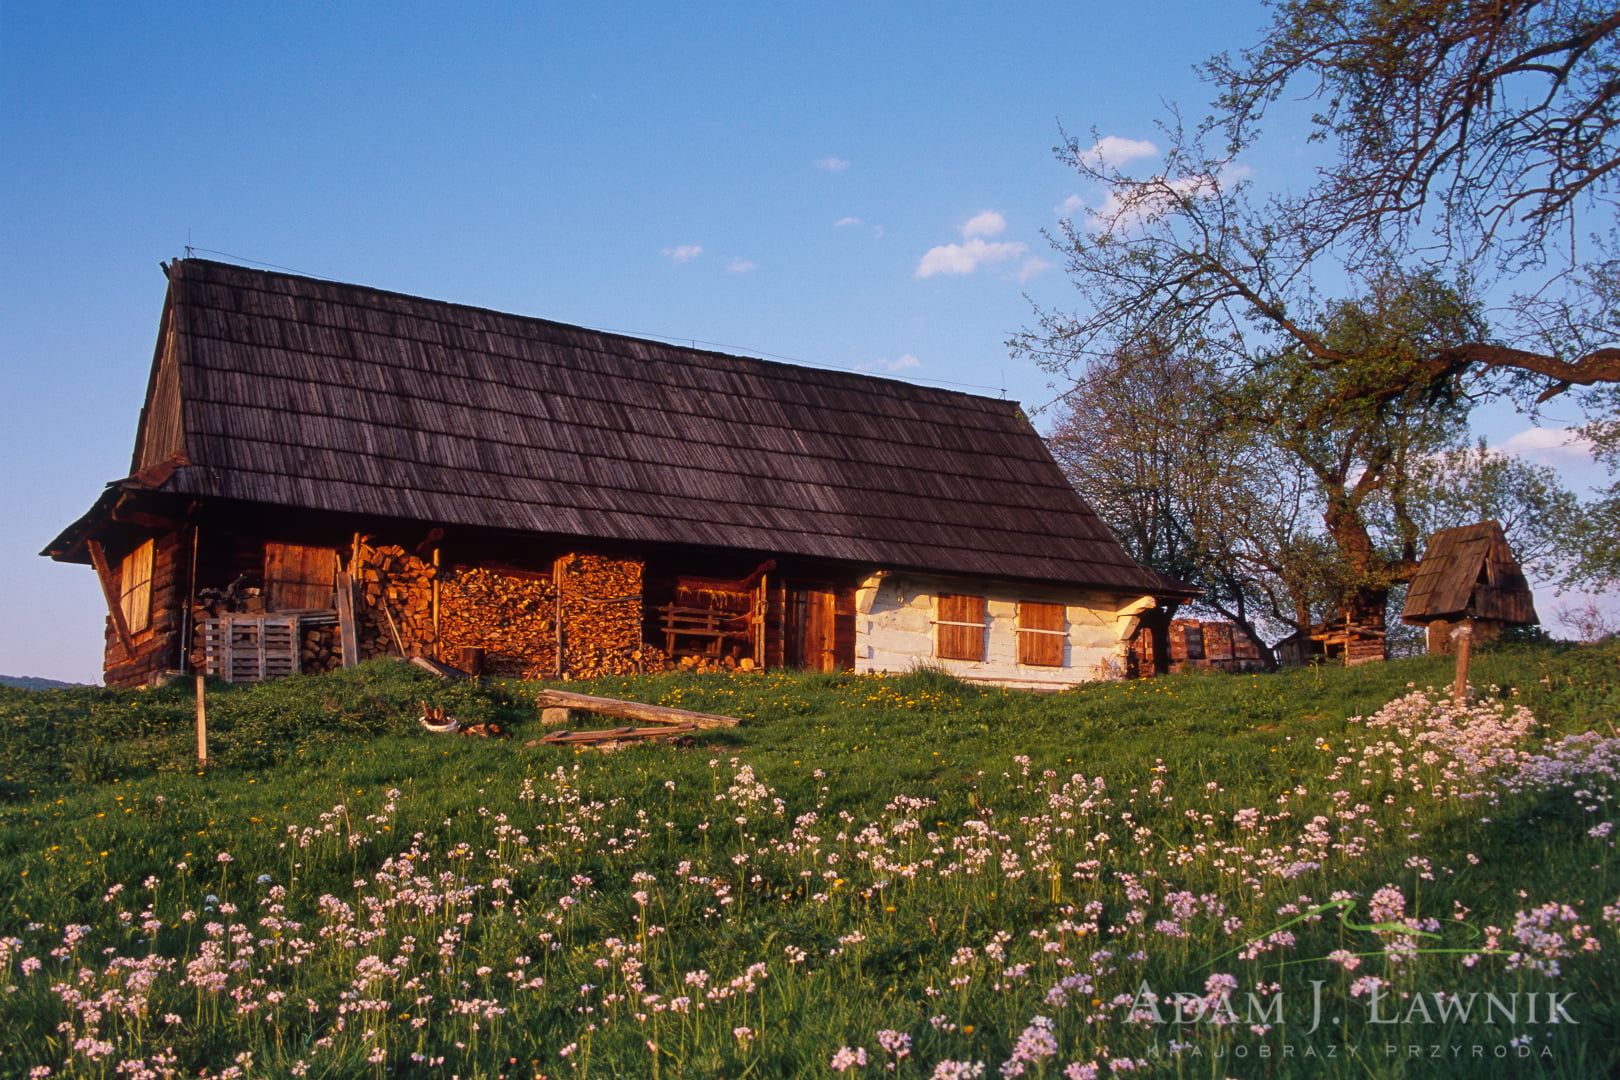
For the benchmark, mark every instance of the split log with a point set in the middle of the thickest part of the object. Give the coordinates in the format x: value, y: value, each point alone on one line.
x: 631, y: 710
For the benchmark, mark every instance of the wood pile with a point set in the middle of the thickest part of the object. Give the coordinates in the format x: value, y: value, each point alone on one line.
x: 511, y: 617
x: 706, y: 664
x: 405, y: 606
x: 393, y: 601
x: 601, y: 604
x: 319, y: 651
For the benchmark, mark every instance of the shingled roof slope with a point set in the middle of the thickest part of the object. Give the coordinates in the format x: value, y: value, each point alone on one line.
x: 1469, y: 572
x: 303, y: 393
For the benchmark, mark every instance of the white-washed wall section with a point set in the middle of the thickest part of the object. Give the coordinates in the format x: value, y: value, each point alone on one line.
x: 894, y: 629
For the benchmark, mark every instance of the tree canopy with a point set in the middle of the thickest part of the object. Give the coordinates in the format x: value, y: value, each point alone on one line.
x: 1479, y: 140
x: 1466, y: 171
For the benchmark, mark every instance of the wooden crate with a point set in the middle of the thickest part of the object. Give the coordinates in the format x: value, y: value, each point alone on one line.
x: 251, y: 648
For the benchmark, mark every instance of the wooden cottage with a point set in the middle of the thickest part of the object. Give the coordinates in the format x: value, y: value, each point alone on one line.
x: 324, y: 472
x: 1468, y: 574
x: 1192, y: 645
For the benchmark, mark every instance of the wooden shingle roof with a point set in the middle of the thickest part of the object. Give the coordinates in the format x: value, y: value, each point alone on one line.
x: 1469, y: 572
x: 295, y: 392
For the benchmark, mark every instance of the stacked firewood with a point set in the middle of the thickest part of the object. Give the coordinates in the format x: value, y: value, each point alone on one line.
x: 244, y: 596
x: 705, y: 664
x: 319, y: 651
x: 393, y: 601
x: 511, y: 617
x: 601, y: 612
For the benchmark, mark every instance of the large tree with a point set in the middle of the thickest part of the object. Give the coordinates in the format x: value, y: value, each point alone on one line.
x: 1192, y: 490
x: 1292, y: 496
x: 1471, y: 143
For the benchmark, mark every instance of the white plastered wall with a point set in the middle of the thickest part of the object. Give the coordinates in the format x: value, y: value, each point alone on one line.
x: 894, y: 629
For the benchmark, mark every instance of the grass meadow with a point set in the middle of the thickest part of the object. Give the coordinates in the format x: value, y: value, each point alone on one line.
x: 1316, y: 873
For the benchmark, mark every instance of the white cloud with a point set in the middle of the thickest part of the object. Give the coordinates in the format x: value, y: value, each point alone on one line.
x: 984, y: 223
x: 966, y: 258
x: 740, y: 266
x: 906, y: 362
x: 1549, y: 446
x: 843, y: 221
x: 1031, y: 267
x: 1111, y: 151
x: 832, y: 164
x: 684, y: 252
x: 1147, y: 204
x: 1158, y: 197
x: 1067, y: 207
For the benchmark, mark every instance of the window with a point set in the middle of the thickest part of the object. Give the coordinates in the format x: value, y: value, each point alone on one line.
x: 1041, y: 634
x: 135, y: 588
x: 961, y: 628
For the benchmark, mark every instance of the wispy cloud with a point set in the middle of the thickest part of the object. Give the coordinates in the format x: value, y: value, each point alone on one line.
x: 831, y: 164
x: 1068, y: 207
x: 684, y: 252
x: 1111, y: 151
x: 1549, y: 446
x: 1031, y: 267
x: 843, y: 221
x: 740, y: 266
x: 966, y: 258
x: 906, y: 362
x: 1151, y: 201
x: 984, y: 223
x: 975, y: 251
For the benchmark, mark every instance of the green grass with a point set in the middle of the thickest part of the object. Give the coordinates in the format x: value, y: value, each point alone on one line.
x: 905, y: 854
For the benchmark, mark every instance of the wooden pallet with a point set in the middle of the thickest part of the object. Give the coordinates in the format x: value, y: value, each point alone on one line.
x: 252, y: 648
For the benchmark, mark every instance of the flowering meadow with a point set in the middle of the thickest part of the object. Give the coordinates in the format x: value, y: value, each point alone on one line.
x: 1310, y: 874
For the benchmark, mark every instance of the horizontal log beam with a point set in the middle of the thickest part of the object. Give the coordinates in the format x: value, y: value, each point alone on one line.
x: 631, y: 710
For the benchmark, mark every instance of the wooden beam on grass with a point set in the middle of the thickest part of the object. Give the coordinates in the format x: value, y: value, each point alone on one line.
x: 631, y: 710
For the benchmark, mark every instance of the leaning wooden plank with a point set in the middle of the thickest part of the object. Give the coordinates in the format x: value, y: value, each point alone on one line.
x: 631, y: 710
x: 115, y: 604
x: 348, y: 637
x: 439, y: 668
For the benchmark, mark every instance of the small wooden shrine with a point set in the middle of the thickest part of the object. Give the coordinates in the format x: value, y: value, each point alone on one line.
x: 1468, y: 574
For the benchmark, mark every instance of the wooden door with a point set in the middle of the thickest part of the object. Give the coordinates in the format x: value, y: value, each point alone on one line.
x: 298, y: 578
x: 810, y: 629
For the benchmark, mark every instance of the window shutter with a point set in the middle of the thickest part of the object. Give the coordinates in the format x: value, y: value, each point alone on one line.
x: 135, y: 587
x: 960, y: 625
x: 1041, y: 634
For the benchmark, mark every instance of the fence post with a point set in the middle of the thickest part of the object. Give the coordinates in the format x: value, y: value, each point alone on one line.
x: 202, y: 721
x: 1461, y: 636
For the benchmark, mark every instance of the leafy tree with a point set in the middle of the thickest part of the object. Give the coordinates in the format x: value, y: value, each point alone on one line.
x: 1285, y: 490
x: 1475, y: 483
x: 1188, y: 489
x: 1469, y: 147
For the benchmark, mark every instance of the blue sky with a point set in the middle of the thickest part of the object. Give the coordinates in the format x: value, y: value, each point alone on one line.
x: 861, y: 186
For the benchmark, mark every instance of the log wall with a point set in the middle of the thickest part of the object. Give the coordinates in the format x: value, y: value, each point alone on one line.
x: 157, y: 647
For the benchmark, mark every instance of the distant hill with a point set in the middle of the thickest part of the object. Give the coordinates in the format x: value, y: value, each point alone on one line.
x: 30, y: 682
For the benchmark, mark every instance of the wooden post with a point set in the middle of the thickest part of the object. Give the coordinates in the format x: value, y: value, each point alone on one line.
x: 436, y: 651
x: 1460, y: 637
x: 202, y: 721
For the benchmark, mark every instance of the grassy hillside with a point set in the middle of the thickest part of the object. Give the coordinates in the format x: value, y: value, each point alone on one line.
x: 1201, y: 876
